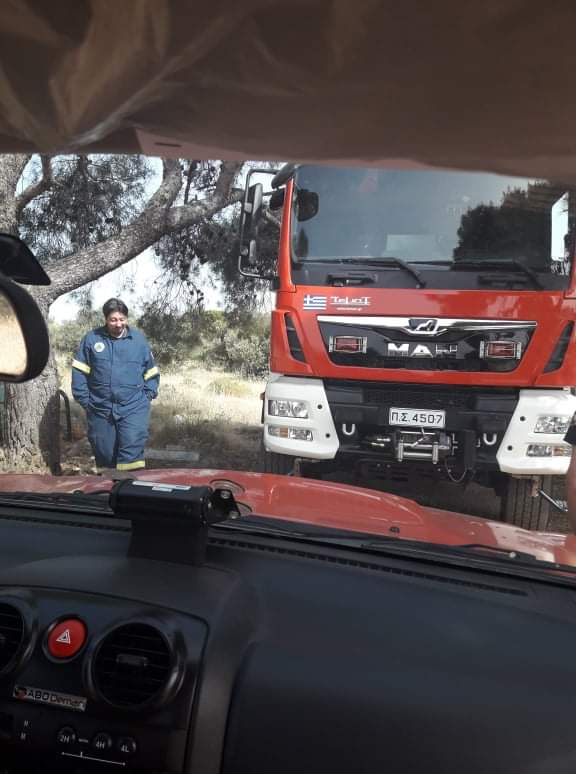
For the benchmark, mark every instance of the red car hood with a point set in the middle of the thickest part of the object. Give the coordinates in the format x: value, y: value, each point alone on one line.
x: 327, y: 504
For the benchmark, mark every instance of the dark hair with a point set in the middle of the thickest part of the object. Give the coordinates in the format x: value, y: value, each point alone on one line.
x: 114, y: 305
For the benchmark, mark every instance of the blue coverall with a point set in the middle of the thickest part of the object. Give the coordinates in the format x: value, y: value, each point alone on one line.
x: 115, y: 380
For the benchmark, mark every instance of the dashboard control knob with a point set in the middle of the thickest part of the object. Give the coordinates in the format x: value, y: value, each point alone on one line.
x: 66, y: 736
x: 126, y: 746
x: 102, y: 742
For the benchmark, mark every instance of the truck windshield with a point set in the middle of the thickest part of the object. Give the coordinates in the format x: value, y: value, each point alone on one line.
x: 444, y: 220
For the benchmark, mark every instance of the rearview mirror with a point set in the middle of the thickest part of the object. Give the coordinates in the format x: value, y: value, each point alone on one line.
x: 24, y: 343
x: 559, y: 228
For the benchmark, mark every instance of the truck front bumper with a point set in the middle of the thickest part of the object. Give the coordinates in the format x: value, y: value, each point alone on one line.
x: 488, y: 429
x: 319, y: 424
x: 512, y: 455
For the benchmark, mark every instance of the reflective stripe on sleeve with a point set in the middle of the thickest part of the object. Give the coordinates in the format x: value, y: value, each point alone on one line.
x: 81, y: 366
x: 151, y: 372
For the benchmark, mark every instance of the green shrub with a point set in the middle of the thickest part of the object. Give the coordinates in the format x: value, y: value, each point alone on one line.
x: 237, y: 342
x: 65, y: 337
x: 245, y: 355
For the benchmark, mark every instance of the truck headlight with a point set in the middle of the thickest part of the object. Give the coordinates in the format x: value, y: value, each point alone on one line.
x: 297, y: 409
x: 292, y: 433
x: 552, y: 424
x: 545, y: 450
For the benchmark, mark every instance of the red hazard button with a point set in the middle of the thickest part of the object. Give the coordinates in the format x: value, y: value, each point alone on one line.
x: 66, y: 638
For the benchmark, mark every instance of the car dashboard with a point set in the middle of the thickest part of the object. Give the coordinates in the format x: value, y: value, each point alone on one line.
x: 273, y: 656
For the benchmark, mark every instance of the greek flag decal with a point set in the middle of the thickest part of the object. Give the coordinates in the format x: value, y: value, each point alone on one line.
x: 314, y: 302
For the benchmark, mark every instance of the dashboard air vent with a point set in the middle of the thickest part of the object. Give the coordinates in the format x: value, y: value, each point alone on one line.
x: 134, y: 667
x: 11, y: 635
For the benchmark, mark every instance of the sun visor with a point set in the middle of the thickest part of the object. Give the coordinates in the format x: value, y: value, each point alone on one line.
x: 452, y: 83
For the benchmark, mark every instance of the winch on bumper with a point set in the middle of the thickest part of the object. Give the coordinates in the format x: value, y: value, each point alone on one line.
x: 427, y: 445
x: 483, y: 428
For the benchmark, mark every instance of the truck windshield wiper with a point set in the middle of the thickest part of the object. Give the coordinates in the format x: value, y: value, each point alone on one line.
x: 388, y: 261
x: 511, y: 264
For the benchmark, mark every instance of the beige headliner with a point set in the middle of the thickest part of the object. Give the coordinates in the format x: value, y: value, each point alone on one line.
x: 452, y: 82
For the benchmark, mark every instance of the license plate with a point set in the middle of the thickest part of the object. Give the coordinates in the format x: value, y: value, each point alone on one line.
x: 407, y: 417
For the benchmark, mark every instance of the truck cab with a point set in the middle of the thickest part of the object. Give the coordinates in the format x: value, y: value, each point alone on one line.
x: 423, y: 326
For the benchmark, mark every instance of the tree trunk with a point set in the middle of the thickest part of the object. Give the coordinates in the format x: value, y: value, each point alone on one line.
x: 32, y: 440
x: 32, y: 421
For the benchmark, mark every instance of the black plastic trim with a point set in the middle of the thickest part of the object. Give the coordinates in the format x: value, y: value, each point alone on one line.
x: 19, y: 263
x: 454, y: 350
x: 556, y: 359
x: 294, y: 340
x: 317, y: 273
x: 33, y: 327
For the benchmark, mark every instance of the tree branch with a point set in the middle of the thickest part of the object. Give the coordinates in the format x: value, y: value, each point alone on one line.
x: 228, y: 173
x: 157, y: 219
x: 191, y: 169
x: 20, y: 160
x: 170, y: 186
x: 180, y: 217
x: 37, y: 188
x: 272, y: 218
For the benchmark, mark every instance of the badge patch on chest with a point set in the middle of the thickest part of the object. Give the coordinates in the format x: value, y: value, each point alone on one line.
x: 99, y: 347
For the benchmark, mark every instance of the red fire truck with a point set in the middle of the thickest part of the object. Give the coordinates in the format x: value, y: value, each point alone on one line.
x: 424, y: 326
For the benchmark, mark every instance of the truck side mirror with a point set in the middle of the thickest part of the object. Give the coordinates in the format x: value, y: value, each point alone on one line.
x: 253, y: 206
x: 308, y: 204
x: 249, y: 221
x: 250, y: 218
x: 559, y: 228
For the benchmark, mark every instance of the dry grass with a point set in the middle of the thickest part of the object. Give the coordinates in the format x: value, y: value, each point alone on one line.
x: 230, y: 386
x: 214, y: 413
x: 196, y: 392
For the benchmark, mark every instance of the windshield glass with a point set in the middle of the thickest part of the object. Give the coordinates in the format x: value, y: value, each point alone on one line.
x: 380, y: 402
x: 430, y: 217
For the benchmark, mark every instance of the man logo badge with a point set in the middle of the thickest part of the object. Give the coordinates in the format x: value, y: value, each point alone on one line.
x: 99, y: 346
x: 424, y: 326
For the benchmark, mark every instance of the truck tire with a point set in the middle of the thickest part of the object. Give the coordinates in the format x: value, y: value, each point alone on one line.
x: 280, y: 464
x: 523, y: 510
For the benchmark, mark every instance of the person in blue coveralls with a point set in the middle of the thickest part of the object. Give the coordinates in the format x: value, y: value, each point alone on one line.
x: 114, y: 378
